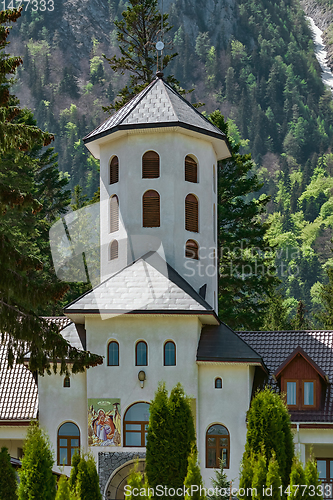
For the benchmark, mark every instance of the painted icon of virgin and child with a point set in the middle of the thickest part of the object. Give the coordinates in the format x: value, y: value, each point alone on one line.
x: 104, y: 428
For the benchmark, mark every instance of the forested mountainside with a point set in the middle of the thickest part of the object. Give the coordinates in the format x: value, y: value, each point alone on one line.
x: 252, y: 59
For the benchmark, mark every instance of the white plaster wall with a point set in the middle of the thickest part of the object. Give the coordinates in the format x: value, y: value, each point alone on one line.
x: 172, y: 187
x: 226, y: 406
x: 13, y: 438
x: 122, y: 381
x: 58, y: 404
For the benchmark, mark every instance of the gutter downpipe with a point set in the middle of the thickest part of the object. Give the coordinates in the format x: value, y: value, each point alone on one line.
x: 298, y: 439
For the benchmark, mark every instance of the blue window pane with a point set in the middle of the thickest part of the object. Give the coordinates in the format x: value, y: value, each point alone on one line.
x: 169, y: 354
x: 308, y: 393
x: 141, y: 354
x: 291, y: 393
x: 69, y: 429
x: 321, y: 467
x: 62, y: 442
x: 63, y: 456
x: 113, y: 354
x: 218, y: 383
x: 139, y: 412
x: 133, y: 438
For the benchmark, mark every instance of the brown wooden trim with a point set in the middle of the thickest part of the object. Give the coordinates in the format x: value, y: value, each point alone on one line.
x: 67, y: 384
x: 143, y: 424
x: 314, y: 394
x: 114, y: 342
x: 165, y: 343
x: 319, y: 425
x: 150, y: 165
x: 297, y: 392
x: 218, y: 448
x: 191, y: 213
x: 136, y: 352
x: 151, y: 209
x: 191, y: 170
x: 15, y: 423
x: 69, y: 446
x: 114, y: 170
x: 307, y: 358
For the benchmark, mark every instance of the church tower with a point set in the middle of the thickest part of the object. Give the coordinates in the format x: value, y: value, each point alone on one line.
x: 158, y: 186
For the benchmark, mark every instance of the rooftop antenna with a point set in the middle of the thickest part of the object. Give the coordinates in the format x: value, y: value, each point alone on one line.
x: 160, y: 43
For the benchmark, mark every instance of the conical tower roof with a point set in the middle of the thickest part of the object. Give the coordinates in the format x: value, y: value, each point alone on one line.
x: 158, y: 105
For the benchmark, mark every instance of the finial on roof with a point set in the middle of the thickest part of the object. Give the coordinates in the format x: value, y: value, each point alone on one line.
x: 159, y: 74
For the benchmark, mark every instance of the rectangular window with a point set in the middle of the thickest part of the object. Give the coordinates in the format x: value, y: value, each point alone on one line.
x: 308, y: 393
x: 291, y: 393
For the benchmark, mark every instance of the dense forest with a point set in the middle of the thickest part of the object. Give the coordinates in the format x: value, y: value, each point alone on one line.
x: 251, y: 59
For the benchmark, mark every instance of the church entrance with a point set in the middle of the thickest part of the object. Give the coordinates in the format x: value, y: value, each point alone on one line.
x: 118, y: 479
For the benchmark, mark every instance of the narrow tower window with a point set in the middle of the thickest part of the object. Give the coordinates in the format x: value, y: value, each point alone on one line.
x: 150, y: 165
x: 169, y: 353
x: 192, y: 249
x: 114, y: 250
x: 218, y: 383
x: 151, y: 209
x: 114, y: 170
x: 191, y: 170
x: 113, y: 353
x: 114, y: 213
x: 141, y: 353
x: 191, y: 213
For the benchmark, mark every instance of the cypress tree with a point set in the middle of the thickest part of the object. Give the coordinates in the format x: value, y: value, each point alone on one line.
x: 63, y: 491
x: 246, y: 476
x: 87, y: 483
x: 36, y: 479
x: 74, y: 471
x: 135, y: 480
x: 297, y: 479
x: 268, y: 428
x: 193, y: 478
x: 8, y: 482
x: 273, y: 481
x: 312, y: 480
x: 259, y: 477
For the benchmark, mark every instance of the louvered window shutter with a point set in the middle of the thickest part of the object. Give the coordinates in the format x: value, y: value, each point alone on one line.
x: 192, y: 249
x: 191, y: 213
x: 114, y: 170
x: 151, y: 209
x: 114, y: 214
x: 191, y: 170
x: 150, y: 165
x: 114, y: 250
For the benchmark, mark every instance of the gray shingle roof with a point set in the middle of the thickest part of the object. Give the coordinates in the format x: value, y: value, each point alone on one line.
x: 276, y: 346
x: 148, y: 284
x: 220, y: 343
x: 157, y: 105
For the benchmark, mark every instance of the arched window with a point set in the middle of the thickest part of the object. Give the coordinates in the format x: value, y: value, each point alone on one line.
x: 217, y: 446
x: 169, y: 353
x: 218, y: 381
x: 191, y: 213
x: 150, y: 165
x: 114, y: 170
x: 192, y: 249
x: 113, y: 353
x: 67, y: 382
x: 136, y: 421
x: 191, y: 169
x: 141, y: 354
x: 114, y: 250
x: 114, y: 213
x: 151, y: 209
x: 68, y: 442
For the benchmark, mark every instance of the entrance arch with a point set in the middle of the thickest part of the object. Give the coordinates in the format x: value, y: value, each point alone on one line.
x: 115, y: 486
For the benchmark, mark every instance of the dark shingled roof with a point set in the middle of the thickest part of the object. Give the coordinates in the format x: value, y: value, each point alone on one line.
x: 158, y: 105
x: 276, y: 346
x: 220, y: 343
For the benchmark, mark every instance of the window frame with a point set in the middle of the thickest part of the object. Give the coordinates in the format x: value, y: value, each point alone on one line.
x: 187, y: 174
x: 143, y: 431
x: 218, y: 448
x: 116, y: 173
x: 215, y: 382
x: 158, y: 207
x: 109, y: 343
x: 314, y: 393
x: 136, y: 352
x: 143, y: 167
x: 68, y: 446
x: 67, y: 382
x: 187, y: 207
x: 175, y: 352
x: 113, y: 243
x: 114, y: 225
x: 193, y: 249
x: 297, y: 392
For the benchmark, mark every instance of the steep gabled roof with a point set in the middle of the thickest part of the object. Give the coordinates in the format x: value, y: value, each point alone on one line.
x: 158, y: 105
x: 302, y: 353
x: 220, y: 343
x: 145, y: 286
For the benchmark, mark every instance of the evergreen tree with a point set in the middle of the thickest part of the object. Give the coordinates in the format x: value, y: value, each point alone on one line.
x: 220, y: 484
x: 24, y: 286
x: 246, y: 476
x: 8, y: 482
x: 193, y: 480
x: 326, y: 298
x: 136, y: 480
x: 87, y: 482
x: 312, y: 480
x: 297, y: 478
x: 36, y: 479
x: 74, y: 470
x: 247, y: 274
x: 268, y: 429
x: 273, y: 480
x: 137, y: 34
x: 259, y: 477
x: 63, y: 491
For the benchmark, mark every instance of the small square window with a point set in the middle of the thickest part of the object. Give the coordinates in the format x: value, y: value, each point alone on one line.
x: 291, y: 393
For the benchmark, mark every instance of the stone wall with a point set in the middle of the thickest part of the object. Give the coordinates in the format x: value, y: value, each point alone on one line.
x: 109, y: 462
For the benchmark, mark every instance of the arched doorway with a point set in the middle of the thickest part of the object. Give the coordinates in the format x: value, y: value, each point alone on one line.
x: 115, y: 487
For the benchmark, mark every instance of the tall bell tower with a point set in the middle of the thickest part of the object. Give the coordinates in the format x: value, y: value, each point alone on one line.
x: 158, y: 186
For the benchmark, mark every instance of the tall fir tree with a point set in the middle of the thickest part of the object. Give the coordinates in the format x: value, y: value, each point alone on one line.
x: 37, y: 481
x: 193, y: 480
x: 8, y: 481
x: 220, y: 484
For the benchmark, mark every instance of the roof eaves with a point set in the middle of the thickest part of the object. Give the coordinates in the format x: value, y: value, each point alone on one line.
x: 307, y: 358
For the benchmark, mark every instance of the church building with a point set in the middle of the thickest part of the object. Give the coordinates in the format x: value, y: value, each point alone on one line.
x: 154, y: 313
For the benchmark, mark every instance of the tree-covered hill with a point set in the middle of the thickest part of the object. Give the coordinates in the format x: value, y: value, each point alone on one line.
x: 252, y: 59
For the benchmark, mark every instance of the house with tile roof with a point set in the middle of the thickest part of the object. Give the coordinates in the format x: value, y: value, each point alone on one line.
x: 153, y: 314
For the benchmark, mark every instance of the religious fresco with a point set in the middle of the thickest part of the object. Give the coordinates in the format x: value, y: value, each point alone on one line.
x: 104, y: 422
